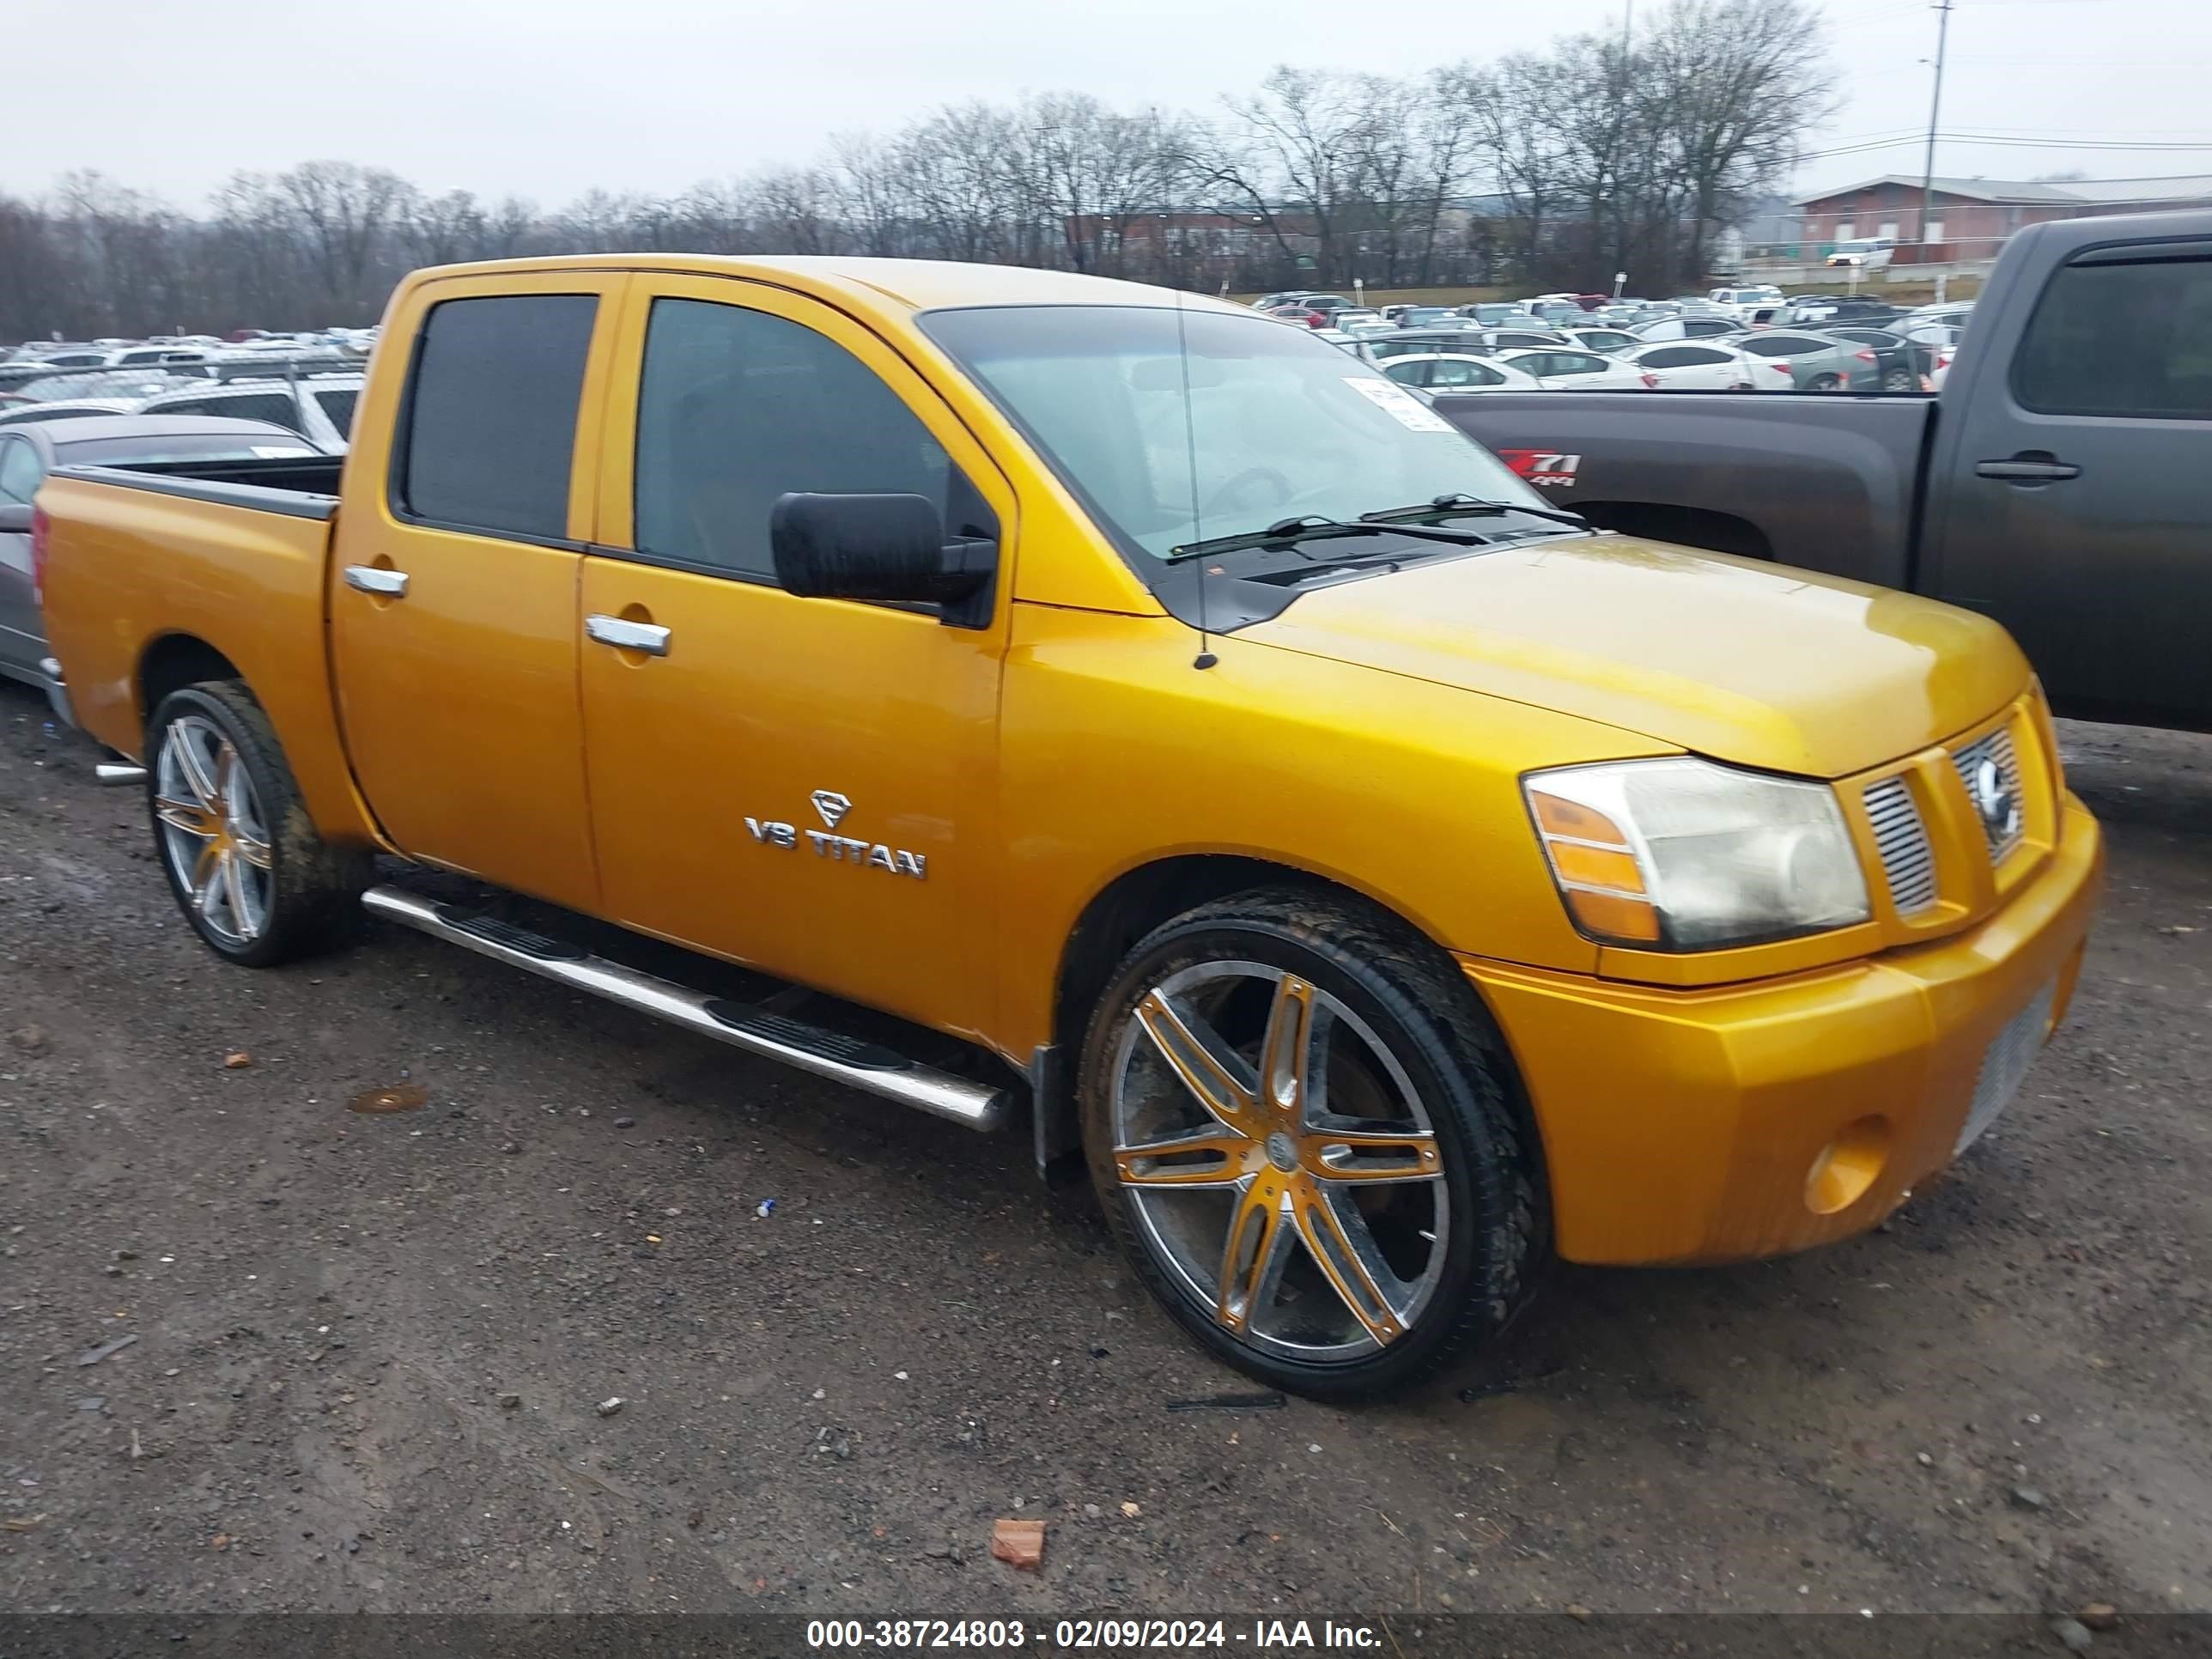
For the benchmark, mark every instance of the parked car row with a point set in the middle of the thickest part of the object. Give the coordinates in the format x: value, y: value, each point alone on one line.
x: 316, y: 404
x: 1850, y: 358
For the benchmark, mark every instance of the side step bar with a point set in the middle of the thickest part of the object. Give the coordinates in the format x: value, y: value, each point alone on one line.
x: 858, y: 1065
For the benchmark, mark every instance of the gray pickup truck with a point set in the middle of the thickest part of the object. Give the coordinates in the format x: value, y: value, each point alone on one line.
x: 2061, y: 481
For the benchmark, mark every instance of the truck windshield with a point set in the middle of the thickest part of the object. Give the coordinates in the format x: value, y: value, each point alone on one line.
x: 1177, y: 427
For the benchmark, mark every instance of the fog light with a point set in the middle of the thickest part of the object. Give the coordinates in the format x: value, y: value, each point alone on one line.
x: 1847, y: 1166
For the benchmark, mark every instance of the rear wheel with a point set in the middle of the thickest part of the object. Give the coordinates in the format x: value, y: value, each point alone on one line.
x: 245, y: 863
x: 1825, y: 383
x: 1899, y: 379
x: 1300, y: 1126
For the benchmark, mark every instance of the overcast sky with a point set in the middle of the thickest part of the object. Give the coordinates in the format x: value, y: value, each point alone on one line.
x: 549, y: 98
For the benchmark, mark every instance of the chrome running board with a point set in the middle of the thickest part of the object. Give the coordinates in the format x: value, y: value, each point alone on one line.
x: 119, y: 773
x: 858, y: 1065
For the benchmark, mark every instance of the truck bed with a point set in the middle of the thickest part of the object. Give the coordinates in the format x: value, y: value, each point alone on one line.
x: 162, y: 575
x: 1813, y: 479
x: 298, y: 486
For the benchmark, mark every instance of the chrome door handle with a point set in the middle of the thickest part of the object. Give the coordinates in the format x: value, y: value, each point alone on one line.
x: 371, y: 579
x: 2024, y: 471
x: 648, y: 637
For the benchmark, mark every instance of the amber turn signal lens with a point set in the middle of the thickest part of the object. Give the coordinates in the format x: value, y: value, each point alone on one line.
x: 1614, y: 916
x: 1596, y: 866
x: 1556, y: 817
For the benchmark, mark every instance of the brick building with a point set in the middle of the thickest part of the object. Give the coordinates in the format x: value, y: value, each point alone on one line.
x: 1972, y: 218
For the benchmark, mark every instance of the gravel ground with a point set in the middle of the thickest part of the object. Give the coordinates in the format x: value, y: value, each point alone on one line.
x: 366, y: 1354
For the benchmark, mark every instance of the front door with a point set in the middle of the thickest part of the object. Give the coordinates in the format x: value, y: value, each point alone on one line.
x: 453, y: 597
x: 2070, y: 502
x: 804, y: 785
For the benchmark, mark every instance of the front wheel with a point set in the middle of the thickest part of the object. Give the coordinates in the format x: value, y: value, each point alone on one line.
x: 1302, y: 1130
x: 256, y: 881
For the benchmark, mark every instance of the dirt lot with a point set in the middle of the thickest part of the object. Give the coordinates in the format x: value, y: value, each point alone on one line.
x: 367, y: 1352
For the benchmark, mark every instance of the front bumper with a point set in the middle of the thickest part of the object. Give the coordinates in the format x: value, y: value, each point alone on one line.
x: 1742, y: 1121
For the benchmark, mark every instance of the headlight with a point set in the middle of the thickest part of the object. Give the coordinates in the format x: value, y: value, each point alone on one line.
x: 1686, y: 856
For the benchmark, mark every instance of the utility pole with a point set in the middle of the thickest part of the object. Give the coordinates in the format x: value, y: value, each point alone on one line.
x: 1934, y: 109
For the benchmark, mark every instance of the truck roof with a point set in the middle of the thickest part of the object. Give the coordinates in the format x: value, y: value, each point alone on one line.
x: 917, y: 285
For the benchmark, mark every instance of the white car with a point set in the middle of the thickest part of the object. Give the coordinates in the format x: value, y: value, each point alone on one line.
x: 1351, y: 316
x: 320, y: 407
x: 65, y: 409
x: 1450, y: 371
x: 151, y: 356
x: 1693, y: 366
x: 1558, y: 368
x: 1607, y: 340
x: 1865, y: 253
x: 1742, y: 301
x: 1686, y: 325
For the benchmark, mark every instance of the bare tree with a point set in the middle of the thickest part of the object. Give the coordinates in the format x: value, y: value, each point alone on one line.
x: 1559, y: 167
x: 1732, y: 87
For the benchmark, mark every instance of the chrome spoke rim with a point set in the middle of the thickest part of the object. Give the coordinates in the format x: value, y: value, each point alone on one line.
x: 1300, y: 1229
x: 211, y: 829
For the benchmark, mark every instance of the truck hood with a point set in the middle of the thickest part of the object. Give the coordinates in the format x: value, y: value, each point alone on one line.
x: 1749, y: 662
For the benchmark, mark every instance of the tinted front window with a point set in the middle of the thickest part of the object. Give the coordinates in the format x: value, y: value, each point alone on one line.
x: 2121, y: 339
x: 1178, y: 426
x: 738, y: 407
x: 491, y: 428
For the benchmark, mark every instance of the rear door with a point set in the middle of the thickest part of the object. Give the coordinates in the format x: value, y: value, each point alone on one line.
x: 2072, y: 493
x: 453, y: 597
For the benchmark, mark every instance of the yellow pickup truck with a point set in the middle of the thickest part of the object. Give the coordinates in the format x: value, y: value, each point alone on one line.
x: 1122, y: 714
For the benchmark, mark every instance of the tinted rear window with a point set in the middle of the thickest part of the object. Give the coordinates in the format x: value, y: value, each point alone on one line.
x: 492, y: 424
x: 339, y: 406
x: 2121, y: 339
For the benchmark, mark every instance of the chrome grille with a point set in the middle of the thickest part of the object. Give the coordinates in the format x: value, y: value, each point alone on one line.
x: 2005, y: 1066
x: 1907, y: 860
x: 1997, y: 747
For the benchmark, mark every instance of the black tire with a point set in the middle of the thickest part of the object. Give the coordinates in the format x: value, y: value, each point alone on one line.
x: 312, y: 890
x: 1825, y: 383
x: 1407, y: 995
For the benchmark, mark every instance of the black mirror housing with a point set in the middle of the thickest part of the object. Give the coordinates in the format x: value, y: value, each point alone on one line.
x: 890, y: 549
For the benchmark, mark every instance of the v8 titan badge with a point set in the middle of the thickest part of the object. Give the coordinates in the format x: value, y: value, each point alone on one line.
x: 832, y: 808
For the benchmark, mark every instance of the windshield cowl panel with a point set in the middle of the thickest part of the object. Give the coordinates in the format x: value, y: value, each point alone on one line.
x: 1173, y: 428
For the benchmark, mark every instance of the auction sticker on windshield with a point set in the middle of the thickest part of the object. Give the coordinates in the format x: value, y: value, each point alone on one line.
x: 1410, y: 411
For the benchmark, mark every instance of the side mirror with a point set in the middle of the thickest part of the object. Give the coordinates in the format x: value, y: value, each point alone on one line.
x: 873, y: 547
x: 14, y: 518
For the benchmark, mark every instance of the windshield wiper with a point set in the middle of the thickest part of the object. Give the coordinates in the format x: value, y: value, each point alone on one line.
x: 1464, y: 507
x: 1288, y: 532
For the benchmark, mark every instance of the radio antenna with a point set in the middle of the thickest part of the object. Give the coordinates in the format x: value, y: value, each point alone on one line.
x: 1205, y: 658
